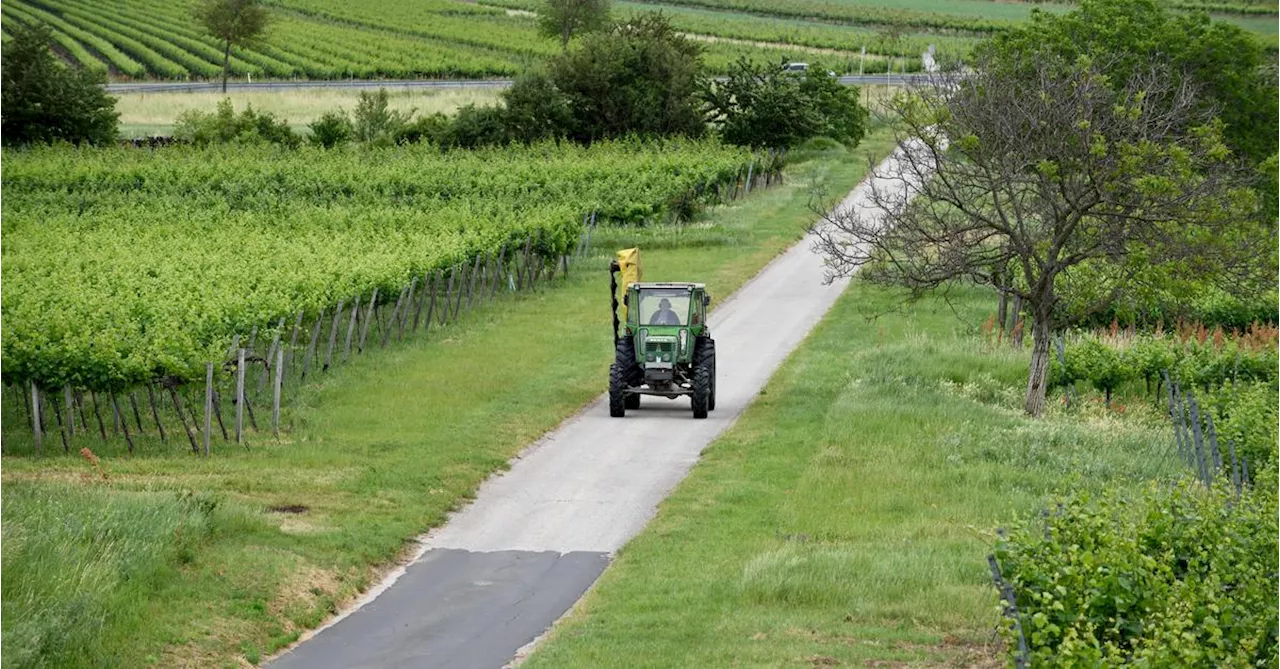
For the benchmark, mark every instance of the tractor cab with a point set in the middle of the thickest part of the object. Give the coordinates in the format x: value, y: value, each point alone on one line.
x: 663, y: 345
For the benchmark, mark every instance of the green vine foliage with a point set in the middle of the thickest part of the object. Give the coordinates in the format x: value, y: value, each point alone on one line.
x: 1175, y: 575
x: 1234, y: 377
x: 121, y: 266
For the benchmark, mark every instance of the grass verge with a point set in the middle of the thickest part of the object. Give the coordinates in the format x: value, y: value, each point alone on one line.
x: 843, y: 519
x: 151, y: 113
x: 380, y: 452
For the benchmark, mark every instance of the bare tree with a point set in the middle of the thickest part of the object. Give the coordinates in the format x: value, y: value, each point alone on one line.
x: 1045, y: 171
x: 234, y: 23
x: 565, y: 18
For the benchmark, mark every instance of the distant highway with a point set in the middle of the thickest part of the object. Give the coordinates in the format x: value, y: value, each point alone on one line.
x: 360, y: 84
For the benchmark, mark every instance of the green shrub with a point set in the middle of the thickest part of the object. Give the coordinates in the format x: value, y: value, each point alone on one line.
x: 224, y: 126
x: 1172, y: 576
x: 375, y: 122
x: 474, y: 127
x: 331, y: 129
x: 430, y: 128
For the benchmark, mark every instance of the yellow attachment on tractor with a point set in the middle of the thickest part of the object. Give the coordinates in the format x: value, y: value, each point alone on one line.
x: 627, y: 263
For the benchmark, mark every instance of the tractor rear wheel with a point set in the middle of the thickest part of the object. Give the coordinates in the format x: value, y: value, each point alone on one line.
x: 633, y: 401
x: 704, y: 365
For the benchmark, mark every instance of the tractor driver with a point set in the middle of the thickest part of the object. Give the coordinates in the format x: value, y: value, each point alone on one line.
x: 664, y: 315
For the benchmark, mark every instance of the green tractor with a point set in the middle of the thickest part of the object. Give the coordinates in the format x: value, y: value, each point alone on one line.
x: 664, y: 346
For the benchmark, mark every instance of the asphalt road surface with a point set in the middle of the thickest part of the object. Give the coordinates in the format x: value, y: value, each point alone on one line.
x: 505, y: 568
x: 373, y: 84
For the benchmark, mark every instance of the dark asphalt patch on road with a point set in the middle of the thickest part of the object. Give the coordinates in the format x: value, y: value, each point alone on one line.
x: 454, y: 608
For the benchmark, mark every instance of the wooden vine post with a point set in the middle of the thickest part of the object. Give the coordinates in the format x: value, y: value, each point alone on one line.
x: 208, y: 407
x: 275, y: 395
x: 35, y: 416
x: 240, y: 397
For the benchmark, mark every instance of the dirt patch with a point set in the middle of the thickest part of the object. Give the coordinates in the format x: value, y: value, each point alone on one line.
x: 295, y: 525
x: 289, y: 508
x: 302, y: 591
x: 211, y: 650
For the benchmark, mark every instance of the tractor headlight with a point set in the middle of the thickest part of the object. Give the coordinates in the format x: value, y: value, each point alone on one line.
x: 684, y: 340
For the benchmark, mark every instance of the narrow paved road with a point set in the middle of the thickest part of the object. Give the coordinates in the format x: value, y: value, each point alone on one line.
x: 505, y: 568
x: 373, y: 84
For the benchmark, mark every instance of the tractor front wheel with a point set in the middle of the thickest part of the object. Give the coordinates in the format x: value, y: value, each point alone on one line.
x: 618, y: 399
x: 704, y: 367
x: 622, y: 374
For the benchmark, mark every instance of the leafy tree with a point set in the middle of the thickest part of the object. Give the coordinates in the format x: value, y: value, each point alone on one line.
x: 224, y: 126
x: 473, y: 127
x: 41, y: 100
x: 762, y: 105
x: 1232, y: 71
x: 1047, y: 168
x: 566, y: 18
x: 535, y: 109
x: 640, y: 77
x: 234, y: 23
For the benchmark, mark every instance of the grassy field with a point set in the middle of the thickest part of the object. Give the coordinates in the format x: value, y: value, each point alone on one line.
x: 168, y: 560
x: 845, y: 519
x: 143, y: 114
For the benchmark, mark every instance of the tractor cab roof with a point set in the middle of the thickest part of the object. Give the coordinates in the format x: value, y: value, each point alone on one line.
x: 670, y: 284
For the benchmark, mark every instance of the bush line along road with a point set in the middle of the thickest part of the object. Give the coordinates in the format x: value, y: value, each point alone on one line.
x: 503, y: 569
x: 894, y: 79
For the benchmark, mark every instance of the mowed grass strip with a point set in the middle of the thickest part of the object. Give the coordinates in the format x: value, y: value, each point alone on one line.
x: 844, y: 518
x: 227, y: 559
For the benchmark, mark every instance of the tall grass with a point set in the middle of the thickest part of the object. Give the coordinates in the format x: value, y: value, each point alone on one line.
x: 81, y: 561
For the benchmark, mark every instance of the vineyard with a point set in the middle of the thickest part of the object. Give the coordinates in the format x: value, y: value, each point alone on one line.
x: 330, y: 39
x: 102, y: 246
x: 324, y: 39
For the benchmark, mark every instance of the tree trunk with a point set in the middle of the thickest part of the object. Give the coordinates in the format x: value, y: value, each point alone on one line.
x: 564, y: 38
x: 226, y: 65
x: 1037, y: 377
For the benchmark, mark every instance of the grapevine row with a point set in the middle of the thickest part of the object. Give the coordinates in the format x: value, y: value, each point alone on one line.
x: 124, y: 266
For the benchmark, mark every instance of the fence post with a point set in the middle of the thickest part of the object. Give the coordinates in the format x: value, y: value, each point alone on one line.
x: 457, y: 303
x: 408, y: 304
x: 71, y: 415
x: 471, y: 286
x: 311, y: 347
x: 1198, y: 433
x: 35, y: 417
x: 275, y: 395
x: 364, y: 329
x: 435, y: 276
x: 124, y: 421
x: 394, y: 317
x: 240, y: 397
x: 351, y: 328
x: 208, y: 406
x: 271, y: 354
x: 333, y: 335
x: 155, y: 413
x: 448, y: 296
x: 1011, y: 611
